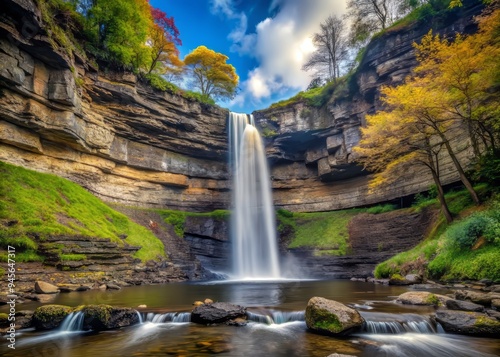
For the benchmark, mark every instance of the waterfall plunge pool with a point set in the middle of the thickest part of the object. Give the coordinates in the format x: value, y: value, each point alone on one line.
x: 276, y: 326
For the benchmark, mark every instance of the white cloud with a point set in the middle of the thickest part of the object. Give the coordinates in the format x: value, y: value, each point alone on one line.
x: 281, y: 45
x: 222, y: 6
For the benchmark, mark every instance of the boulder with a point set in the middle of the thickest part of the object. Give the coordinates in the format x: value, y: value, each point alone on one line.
x: 463, y: 305
x: 49, y: 316
x: 414, y: 278
x: 495, y: 303
x: 105, y: 317
x: 216, y: 313
x: 476, y: 296
x: 331, y: 317
x: 42, y: 287
x: 409, y: 279
x: 468, y: 323
x: 421, y: 298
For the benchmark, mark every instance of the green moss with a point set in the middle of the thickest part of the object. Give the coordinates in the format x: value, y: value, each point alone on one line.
x: 72, y: 257
x: 324, y: 320
x: 178, y: 218
x: 397, y: 277
x: 4, y: 318
x: 46, y: 205
x: 101, y: 312
x: 486, y: 322
x: 49, y: 313
x: 268, y: 133
x: 433, y: 300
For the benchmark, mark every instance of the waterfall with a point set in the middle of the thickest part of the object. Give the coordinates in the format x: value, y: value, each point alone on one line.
x: 175, y: 317
x: 73, y: 322
x: 387, y: 323
x: 253, y: 228
x: 276, y: 317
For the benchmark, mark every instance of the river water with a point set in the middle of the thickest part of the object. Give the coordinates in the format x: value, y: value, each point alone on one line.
x: 278, y: 328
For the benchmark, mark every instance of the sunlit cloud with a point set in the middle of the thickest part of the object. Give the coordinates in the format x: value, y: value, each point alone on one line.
x: 281, y: 46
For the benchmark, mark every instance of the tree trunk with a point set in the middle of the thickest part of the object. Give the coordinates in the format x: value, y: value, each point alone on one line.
x: 460, y: 170
x: 442, y: 201
x: 433, y: 165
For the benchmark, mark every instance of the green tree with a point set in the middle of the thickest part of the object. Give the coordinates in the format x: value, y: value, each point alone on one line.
x: 118, y: 30
x: 211, y: 75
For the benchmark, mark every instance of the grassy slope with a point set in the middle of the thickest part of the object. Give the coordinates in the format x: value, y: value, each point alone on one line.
x: 327, y: 231
x: 441, y: 256
x: 46, y: 205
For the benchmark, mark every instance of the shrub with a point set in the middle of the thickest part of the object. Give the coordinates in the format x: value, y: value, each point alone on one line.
x: 198, y: 97
x: 158, y: 82
x: 465, y: 233
x: 381, y: 208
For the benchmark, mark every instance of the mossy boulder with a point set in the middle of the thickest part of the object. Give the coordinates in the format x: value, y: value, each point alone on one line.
x: 422, y: 298
x: 468, y: 323
x: 329, y: 317
x: 106, y: 317
x: 48, y: 317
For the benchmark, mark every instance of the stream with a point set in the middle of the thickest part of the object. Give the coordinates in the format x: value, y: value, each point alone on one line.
x: 276, y: 324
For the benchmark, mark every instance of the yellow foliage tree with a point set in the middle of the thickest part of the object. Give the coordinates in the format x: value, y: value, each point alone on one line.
x: 404, y: 136
x: 164, y: 54
x: 212, y: 76
x: 454, y: 83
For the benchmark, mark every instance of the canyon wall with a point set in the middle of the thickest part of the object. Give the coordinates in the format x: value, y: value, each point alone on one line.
x: 121, y: 140
x: 128, y: 143
x: 313, y: 163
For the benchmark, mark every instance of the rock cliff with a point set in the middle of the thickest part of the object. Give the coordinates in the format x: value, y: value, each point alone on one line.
x: 130, y: 144
x: 119, y: 139
x: 314, y: 167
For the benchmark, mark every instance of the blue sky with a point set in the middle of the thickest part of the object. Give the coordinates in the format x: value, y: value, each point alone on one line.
x: 267, y: 41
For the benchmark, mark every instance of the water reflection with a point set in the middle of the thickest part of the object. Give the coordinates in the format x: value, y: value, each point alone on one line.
x: 287, y: 339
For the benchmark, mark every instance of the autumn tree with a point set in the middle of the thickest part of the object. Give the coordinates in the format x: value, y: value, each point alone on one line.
x: 331, y: 49
x: 454, y: 86
x: 403, y: 137
x: 467, y: 73
x: 163, y: 39
x: 211, y: 75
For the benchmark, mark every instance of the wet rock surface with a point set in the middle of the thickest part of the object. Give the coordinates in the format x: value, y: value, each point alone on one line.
x: 422, y: 298
x: 330, y: 317
x: 468, y: 323
x: 217, y: 313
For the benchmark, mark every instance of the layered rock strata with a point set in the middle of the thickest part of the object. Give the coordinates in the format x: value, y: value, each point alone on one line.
x: 127, y: 143
x: 119, y: 139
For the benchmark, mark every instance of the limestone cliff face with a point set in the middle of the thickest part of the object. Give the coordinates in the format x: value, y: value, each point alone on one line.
x: 119, y: 139
x: 313, y: 164
x: 129, y: 144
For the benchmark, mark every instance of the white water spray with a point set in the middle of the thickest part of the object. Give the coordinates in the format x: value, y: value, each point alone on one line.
x: 255, y: 248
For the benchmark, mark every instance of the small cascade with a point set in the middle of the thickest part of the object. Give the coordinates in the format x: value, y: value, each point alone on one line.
x: 73, y: 322
x: 381, y: 323
x: 139, y: 315
x: 273, y: 317
x: 175, y: 317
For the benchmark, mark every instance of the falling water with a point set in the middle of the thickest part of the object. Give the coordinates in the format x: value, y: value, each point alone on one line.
x: 73, y: 322
x: 255, y: 250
